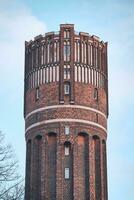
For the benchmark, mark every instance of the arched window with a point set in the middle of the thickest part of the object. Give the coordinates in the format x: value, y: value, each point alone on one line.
x: 66, y: 34
x: 104, y: 157
x: 83, y: 164
x: 97, y: 166
x: 28, y: 170
x: 67, y: 51
x: 36, y: 167
x: 51, y: 162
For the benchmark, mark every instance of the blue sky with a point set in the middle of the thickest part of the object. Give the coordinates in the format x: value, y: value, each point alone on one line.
x: 112, y: 21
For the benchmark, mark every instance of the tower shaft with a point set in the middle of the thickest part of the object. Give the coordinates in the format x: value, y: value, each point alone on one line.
x: 65, y: 111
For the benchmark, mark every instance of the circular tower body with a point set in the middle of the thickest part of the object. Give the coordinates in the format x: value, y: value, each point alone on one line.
x: 66, y: 110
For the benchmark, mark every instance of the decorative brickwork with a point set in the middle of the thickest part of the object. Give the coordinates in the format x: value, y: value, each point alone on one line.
x: 66, y: 110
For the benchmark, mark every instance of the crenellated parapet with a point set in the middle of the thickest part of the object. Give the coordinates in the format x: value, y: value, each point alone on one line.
x: 45, y: 55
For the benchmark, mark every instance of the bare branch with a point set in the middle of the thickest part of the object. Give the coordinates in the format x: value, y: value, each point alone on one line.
x: 11, y: 184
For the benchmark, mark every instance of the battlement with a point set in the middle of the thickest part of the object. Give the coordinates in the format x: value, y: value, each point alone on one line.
x: 42, y: 37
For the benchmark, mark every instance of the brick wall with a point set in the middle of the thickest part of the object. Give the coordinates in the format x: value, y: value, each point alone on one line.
x: 47, y: 116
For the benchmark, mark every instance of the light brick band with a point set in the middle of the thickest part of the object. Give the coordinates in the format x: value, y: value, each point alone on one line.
x: 65, y: 120
x: 65, y: 106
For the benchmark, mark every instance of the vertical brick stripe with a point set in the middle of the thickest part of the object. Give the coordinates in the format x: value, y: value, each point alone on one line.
x: 51, y: 150
x: 28, y: 170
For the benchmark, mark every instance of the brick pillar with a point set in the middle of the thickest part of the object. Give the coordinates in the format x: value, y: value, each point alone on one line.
x: 92, y: 169
x: 75, y: 170
x: 104, y: 170
x: 36, y: 168
x: 59, y: 179
x: 28, y: 170
x: 43, y: 168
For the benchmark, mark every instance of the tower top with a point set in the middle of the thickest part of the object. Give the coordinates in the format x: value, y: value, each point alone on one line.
x: 63, y: 27
x: 67, y: 25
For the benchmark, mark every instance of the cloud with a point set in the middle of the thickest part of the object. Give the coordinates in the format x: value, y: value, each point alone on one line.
x: 17, y: 24
x: 16, y: 27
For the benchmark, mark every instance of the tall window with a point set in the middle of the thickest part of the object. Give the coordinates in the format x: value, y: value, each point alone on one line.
x: 66, y: 34
x: 51, y: 53
x: 48, y: 51
x: 37, y: 93
x: 66, y: 130
x: 55, y: 52
x: 66, y: 173
x: 66, y: 51
x: 96, y: 94
x: 78, y: 53
x: 96, y: 57
x: 66, y: 88
x: 66, y: 72
x: 66, y: 150
x: 42, y: 49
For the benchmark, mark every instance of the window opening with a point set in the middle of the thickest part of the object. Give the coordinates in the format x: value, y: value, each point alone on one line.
x: 66, y: 89
x: 37, y: 93
x: 66, y: 130
x: 66, y: 173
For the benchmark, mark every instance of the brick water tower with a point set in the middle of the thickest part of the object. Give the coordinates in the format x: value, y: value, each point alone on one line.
x: 66, y: 110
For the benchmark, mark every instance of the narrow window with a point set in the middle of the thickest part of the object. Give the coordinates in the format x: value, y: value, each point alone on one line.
x: 67, y: 51
x: 37, y: 57
x: 95, y: 94
x: 66, y: 88
x: 42, y: 55
x: 55, y: 52
x: 37, y: 93
x: 75, y: 53
x: 66, y: 34
x: 78, y: 53
x: 51, y: 53
x: 66, y: 72
x: 85, y: 53
x: 66, y: 173
x: 66, y: 150
x: 48, y: 51
x: 97, y: 118
x: 65, y: 57
x: 66, y: 130
x: 82, y: 52
x: 96, y: 57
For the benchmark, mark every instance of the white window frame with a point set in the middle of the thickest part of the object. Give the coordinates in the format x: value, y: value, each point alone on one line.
x: 66, y: 149
x: 66, y: 89
x: 67, y: 173
x: 67, y: 130
x: 37, y: 93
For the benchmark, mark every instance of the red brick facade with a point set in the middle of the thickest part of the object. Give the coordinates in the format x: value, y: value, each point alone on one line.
x: 66, y: 110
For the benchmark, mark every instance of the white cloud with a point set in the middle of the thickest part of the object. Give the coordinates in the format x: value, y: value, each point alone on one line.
x: 16, y: 27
